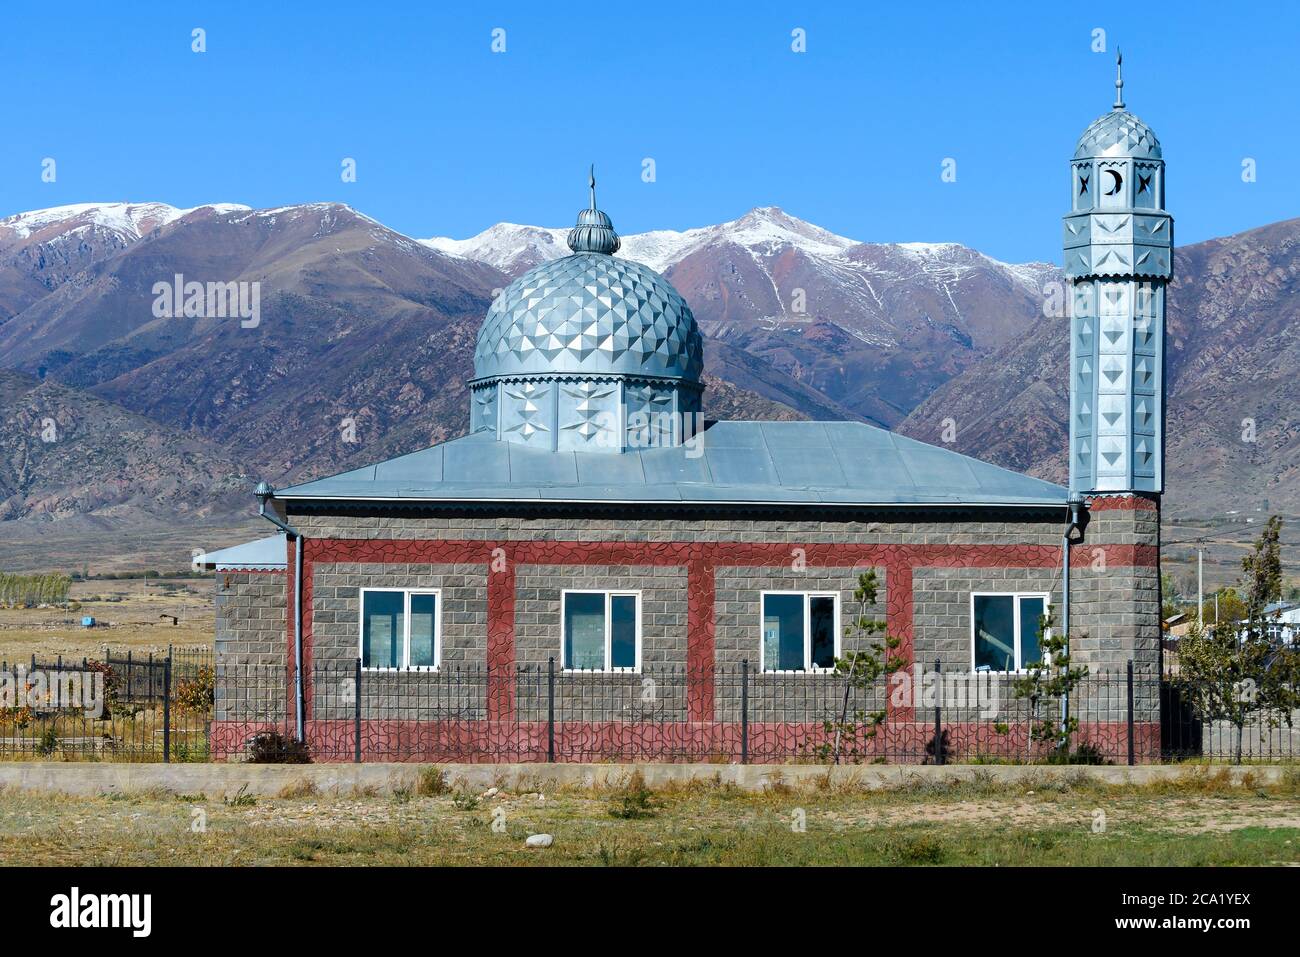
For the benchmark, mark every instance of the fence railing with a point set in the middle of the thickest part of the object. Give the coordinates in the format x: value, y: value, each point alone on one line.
x: 184, y: 708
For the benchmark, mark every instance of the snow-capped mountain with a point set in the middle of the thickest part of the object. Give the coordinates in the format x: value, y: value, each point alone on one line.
x: 129, y: 220
x: 359, y: 321
x: 767, y: 230
x: 863, y: 323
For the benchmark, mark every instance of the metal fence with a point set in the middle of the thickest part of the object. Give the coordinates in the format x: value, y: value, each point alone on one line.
x: 185, y: 708
x: 121, y: 707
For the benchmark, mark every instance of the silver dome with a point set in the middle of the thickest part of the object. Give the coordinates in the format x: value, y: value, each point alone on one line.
x: 590, y: 313
x: 588, y: 352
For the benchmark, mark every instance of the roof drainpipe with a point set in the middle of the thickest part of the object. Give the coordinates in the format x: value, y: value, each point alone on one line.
x: 265, y: 492
x: 1074, y: 503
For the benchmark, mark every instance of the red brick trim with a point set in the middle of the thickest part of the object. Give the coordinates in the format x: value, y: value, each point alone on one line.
x: 1123, y: 503
x: 501, y: 636
x: 701, y: 588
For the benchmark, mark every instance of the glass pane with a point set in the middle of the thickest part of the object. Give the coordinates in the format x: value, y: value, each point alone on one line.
x: 622, y: 631
x: 821, y: 629
x: 381, y: 629
x: 783, y: 632
x: 995, y: 635
x: 424, y: 610
x: 584, y: 630
x: 1031, y: 609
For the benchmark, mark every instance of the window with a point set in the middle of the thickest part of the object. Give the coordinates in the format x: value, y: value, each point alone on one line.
x: 602, y: 631
x: 399, y: 629
x: 1005, y: 630
x: 800, y: 631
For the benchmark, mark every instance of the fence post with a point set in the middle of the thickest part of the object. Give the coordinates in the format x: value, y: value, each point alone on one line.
x: 1130, y: 711
x: 129, y: 686
x: 356, y: 713
x: 550, y: 710
x: 744, y: 711
x: 938, y: 718
x: 167, y: 709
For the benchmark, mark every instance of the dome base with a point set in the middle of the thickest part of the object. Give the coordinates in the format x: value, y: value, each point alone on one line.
x: 584, y: 413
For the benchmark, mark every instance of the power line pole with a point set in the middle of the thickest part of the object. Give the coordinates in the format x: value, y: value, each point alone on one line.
x: 1200, y: 584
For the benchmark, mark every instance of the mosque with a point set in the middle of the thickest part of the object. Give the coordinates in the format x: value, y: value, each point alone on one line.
x: 595, y: 565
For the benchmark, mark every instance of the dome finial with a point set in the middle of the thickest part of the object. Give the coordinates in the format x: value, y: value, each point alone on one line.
x: 594, y: 232
x: 1119, y: 79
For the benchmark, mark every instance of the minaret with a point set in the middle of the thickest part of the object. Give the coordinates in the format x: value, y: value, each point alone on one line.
x: 1118, y: 258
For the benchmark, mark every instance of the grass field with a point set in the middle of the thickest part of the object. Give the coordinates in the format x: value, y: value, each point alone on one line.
x: 976, y: 823
x: 133, y: 614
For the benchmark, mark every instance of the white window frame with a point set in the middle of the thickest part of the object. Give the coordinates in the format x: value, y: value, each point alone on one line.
x: 1020, y: 668
x: 406, y: 629
x: 609, y: 594
x: 808, y: 667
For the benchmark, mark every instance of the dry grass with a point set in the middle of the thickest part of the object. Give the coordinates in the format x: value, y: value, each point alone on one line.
x: 130, y: 616
x: 974, y: 823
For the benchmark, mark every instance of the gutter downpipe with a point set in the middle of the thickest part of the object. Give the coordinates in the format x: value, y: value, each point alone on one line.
x: 1074, y: 503
x: 265, y: 492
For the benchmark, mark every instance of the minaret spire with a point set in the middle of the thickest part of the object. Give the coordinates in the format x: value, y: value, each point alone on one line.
x: 1119, y: 79
x: 594, y: 233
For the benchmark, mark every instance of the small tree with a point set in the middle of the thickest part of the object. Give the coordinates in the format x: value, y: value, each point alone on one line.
x: 861, y: 669
x: 1239, y: 670
x: 1234, y: 673
x: 1168, y: 597
x: 1262, y: 569
x: 1050, y: 678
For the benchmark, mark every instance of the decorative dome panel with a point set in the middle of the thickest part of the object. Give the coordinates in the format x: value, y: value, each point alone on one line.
x: 1118, y: 133
x: 590, y: 313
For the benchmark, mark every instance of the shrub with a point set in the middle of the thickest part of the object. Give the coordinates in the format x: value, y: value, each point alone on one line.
x: 939, y: 750
x: 634, y: 800
x: 914, y: 849
x: 49, y: 742
x: 431, y: 783
x: 240, y: 798
x: 20, y: 718
x: 465, y: 800
x: 271, y: 747
x: 112, y: 684
x: 196, y: 695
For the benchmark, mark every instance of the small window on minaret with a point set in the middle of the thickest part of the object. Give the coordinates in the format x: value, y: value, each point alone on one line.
x: 1146, y: 190
x: 1111, y: 184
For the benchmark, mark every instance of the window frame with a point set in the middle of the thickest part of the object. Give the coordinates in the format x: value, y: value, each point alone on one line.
x: 406, y: 629
x: 610, y: 594
x: 809, y: 668
x: 1015, y: 596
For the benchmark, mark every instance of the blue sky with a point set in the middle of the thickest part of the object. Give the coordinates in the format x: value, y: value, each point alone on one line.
x: 449, y: 137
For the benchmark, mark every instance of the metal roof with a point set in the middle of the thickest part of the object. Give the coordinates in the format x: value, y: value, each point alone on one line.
x: 787, y: 463
x: 261, y: 555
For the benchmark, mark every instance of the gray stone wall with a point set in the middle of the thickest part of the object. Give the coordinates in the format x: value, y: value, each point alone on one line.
x: 738, y: 637
x: 1115, y: 610
x: 250, y: 646
x: 459, y: 688
x: 539, y: 634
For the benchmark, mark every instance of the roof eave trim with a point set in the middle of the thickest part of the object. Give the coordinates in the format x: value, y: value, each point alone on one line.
x: 412, y: 500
